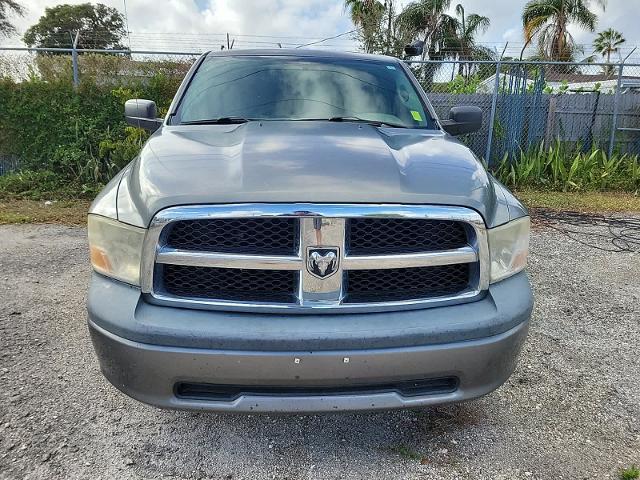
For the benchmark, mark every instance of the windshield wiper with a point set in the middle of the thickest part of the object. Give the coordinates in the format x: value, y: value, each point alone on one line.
x: 375, y: 123
x: 239, y: 120
x: 217, y: 121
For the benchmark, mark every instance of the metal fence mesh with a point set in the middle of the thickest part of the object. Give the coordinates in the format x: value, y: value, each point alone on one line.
x: 524, y: 104
x: 8, y: 164
x: 528, y: 103
x: 107, y: 69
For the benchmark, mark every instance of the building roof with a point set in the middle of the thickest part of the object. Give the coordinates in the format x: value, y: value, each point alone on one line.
x: 575, y: 82
x: 583, y: 78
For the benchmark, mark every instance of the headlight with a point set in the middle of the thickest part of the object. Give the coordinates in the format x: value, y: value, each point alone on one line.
x: 509, y: 247
x: 115, y: 248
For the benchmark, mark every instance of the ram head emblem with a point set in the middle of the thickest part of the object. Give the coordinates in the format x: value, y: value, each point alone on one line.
x: 322, y: 262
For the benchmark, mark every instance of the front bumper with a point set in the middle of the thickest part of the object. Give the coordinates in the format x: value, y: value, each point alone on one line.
x: 146, y: 350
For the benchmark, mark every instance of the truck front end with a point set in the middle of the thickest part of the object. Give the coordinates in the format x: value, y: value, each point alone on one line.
x: 306, y: 264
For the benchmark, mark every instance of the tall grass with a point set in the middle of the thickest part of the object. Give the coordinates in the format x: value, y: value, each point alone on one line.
x: 559, y: 167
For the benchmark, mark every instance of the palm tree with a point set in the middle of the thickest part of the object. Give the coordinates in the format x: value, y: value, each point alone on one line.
x: 549, y: 21
x: 388, y: 7
x: 608, y: 42
x: 360, y: 9
x: 467, y: 28
x: 367, y: 15
x: 427, y: 20
x: 7, y: 7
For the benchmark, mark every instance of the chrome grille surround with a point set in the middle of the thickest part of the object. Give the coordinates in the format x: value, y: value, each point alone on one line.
x: 316, y: 295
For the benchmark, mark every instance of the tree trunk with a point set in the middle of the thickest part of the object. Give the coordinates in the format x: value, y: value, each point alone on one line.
x: 526, y: 44
x: 389, y: 27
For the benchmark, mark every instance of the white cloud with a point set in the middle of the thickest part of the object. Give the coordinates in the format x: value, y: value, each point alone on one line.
x: 207, y: 27
x: 512, y: 35
x: 205, y: 23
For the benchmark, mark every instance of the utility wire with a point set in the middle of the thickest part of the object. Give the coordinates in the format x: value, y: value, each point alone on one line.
x: 206, y: 34
x: 325, y: 39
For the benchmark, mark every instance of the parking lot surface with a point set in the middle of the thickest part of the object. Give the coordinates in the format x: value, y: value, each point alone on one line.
x: 571, y: 410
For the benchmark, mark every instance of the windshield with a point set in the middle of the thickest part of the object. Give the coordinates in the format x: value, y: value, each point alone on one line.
x: 301, y: 88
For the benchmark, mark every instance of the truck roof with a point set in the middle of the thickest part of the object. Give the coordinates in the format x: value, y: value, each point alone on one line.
x: 302, y: 52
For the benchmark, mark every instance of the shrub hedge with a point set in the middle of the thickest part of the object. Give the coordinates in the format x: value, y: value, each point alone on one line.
x: 79, y: 139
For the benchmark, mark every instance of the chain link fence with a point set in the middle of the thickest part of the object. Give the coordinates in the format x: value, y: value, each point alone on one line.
x: 9, y: 164
x: 108, y: 67
x: 525, y: 104
x: 529, y: 103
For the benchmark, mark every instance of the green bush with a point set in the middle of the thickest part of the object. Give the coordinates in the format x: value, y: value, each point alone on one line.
x: 75, y: 138
x: 565, y: 168
x: 631, y: 473
x: 461, y: 85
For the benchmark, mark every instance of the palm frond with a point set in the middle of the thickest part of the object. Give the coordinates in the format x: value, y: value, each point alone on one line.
x: 582, y: 16
x: 533, y: 26
x: 477, y: 23
x: 549, y: 21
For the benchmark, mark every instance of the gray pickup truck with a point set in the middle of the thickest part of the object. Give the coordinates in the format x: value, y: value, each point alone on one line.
x: 301, y: 233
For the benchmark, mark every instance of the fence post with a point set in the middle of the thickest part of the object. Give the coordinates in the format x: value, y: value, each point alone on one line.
x: 74, y: 59
x: 616, y: 105
x: 551, y: 120
x: 492, y: 115
x: 616, y: 102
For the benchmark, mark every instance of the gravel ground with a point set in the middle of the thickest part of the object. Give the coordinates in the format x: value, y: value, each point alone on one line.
x: 571, y: 410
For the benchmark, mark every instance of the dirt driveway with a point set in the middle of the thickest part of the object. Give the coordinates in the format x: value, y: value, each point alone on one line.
x: 571, y: 410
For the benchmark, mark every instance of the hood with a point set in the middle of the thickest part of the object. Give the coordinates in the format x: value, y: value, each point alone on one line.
x: 322, y: 162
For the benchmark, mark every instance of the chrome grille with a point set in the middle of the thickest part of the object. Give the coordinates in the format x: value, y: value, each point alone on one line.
x: 437, y: 255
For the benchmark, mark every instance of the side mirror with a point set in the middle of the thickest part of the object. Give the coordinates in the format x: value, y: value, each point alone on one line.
x: 463, y: 120
x: 142, y: 113
x: 415, y: 49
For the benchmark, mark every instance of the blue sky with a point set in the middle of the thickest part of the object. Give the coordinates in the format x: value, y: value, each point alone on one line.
x: 200, y: 24
x: 202, y: 4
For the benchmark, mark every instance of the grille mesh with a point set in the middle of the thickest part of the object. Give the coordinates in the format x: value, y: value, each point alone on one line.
x: 406, y: 283
x: 265, y: 236
x: 230, y: 284
x: 385, y: 236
